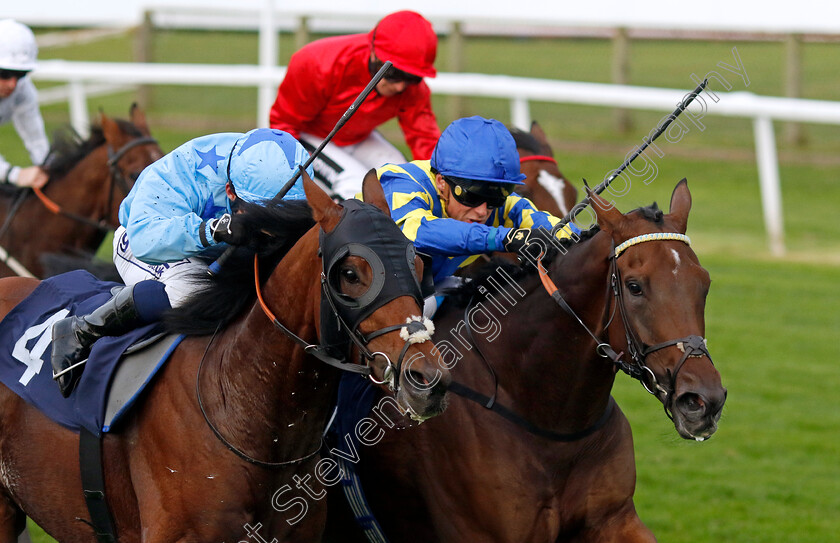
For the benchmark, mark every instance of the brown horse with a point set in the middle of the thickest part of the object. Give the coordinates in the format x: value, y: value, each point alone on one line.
x: 554, y: 462
x: 545, y: 185
x: 169, y: 477
x: 79, y: 205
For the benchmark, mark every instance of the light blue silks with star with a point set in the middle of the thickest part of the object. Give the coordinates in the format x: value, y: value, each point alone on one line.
x: 174, y: 199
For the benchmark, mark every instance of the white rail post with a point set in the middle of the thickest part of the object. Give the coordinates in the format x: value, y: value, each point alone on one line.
x: 268, y: 59
x: 78, y: 108
x: 768, y: 174
x: 520, y: 113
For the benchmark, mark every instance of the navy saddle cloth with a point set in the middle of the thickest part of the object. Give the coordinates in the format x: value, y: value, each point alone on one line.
x: 26, y: 334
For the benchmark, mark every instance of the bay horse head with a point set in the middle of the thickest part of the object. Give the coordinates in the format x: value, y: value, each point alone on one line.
x: 371, y: 297
x: 659, y: 290
x: 545, y: 185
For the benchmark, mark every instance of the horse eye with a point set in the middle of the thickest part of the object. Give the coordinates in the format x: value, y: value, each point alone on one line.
x: 349, y: 275
x: 634, y: 288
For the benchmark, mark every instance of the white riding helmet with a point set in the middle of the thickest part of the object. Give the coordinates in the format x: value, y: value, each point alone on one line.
x: 18, y: 50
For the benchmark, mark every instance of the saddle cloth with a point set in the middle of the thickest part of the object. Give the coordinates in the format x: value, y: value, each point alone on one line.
x: 26, y: 334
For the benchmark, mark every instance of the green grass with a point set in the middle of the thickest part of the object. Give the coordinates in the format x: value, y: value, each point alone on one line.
x: 771, y: 474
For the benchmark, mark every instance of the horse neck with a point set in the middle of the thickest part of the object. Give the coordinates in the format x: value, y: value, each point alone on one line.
x: 555, y: 377
x: 274, y: 395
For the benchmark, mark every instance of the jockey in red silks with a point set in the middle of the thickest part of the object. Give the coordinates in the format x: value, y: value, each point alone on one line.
x: 326, y: 76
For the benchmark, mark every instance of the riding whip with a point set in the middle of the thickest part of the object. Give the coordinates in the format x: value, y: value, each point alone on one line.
x: 645, y: 143
x: 217, y: 265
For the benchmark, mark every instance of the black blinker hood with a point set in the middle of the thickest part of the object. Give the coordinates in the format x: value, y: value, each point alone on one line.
x: 364, y: 231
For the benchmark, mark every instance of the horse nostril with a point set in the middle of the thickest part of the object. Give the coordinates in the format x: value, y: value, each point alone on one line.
x: 691, y: 405
x: 418, y: 379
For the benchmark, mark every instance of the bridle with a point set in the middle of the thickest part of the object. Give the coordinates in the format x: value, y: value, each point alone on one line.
x: 691, y: 346
x: 545, y: 158
x: 413, y: 331
x: 116, y: 177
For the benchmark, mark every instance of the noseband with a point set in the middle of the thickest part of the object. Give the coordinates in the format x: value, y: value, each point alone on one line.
x: 691, y: 346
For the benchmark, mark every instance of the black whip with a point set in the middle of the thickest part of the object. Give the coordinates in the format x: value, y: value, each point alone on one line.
x: 646, y: 142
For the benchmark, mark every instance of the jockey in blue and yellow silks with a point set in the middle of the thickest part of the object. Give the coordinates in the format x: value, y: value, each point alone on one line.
x: 461, y: 203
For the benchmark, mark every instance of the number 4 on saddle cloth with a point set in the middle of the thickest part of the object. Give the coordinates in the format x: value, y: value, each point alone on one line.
x: 107, y: 388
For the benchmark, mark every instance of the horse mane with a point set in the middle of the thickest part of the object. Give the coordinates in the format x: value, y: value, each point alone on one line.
x: 68, y: 147
x: 651, y: 213
x: 525, y: 140
x: 272, y: 229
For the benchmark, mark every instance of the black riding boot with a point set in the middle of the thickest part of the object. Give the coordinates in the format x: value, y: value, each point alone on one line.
x: 73, y: 337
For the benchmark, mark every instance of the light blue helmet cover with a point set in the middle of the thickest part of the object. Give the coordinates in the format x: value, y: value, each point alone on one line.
x: 480, y: 149
x: 262, y: 161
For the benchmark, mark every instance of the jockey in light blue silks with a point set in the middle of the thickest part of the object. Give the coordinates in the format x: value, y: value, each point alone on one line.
x: 461, y: 203
x: 175, y: 220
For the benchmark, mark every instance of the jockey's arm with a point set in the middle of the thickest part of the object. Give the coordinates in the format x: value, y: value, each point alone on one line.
x: 298, y: 101
x: 161, y: 216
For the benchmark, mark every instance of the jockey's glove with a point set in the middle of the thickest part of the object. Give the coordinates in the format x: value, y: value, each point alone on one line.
x: 531, y: 244
x: 226, y: 230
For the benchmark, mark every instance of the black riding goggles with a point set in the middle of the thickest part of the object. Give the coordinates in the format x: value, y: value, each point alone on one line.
x: 474, y: 193
x: 394, y: 75
x: 12, y: 74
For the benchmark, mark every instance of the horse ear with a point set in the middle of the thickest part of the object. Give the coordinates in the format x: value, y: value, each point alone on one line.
x: 680, y: 206
x: 373, y: 194
x: 138, y: 119
x: 609, y: 218
x: 539, y: 135
x: 111, y: 130
x: 325, y: 212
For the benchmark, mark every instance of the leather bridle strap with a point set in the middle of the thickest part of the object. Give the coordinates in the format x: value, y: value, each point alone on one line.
x: 537, y: 157
x: 58, y: 210
x: 318, y: 351
x: 602, y: 348
x: 488, y: 403
x: 113, y: 158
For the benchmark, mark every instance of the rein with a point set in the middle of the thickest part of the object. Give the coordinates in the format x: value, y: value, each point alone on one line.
x: 241, y: 454
x: 489, y: 402
x: 5, y: 257
x: 318, y: 351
